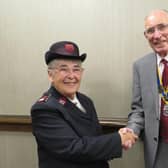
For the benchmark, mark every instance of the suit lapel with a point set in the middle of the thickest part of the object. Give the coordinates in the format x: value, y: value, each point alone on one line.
x: 152, y: 70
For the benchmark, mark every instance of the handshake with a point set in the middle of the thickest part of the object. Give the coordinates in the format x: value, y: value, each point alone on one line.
x: 128, y: 138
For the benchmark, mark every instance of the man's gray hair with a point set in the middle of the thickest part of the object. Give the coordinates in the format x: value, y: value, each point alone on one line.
x: 165, y: 10
x: 156, y: 10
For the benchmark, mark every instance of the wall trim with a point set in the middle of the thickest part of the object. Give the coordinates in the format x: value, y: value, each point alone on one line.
x: 22, y: 123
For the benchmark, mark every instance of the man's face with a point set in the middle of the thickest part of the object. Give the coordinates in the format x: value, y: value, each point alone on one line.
x: 66, y: 77
x: 156, y: 32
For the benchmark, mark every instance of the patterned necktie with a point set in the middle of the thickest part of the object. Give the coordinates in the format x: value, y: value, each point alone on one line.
x: 164, y: 114
x: 165, y: 73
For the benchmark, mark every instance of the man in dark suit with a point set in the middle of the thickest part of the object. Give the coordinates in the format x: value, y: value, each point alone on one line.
x: 65, y: 122
x: 149, y: 115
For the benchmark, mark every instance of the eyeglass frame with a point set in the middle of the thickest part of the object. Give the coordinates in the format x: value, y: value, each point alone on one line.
x: 160, y: 27
x: 66, y: 70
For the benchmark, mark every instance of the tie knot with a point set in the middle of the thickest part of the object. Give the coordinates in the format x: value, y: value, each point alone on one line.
x: 165, y: 62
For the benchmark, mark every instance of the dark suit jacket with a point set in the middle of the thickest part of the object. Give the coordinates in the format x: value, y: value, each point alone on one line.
x: 67, y: 137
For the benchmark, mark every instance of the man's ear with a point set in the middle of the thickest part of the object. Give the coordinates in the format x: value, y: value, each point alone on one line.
x: 145, y: 35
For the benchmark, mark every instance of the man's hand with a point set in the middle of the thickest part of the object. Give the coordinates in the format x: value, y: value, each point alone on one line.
x: 128, y: 138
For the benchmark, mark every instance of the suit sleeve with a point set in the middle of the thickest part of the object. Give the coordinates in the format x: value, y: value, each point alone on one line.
x: 56, y: 136
x: 136, y: 117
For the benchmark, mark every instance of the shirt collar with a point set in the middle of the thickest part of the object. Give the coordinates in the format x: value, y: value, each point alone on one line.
x: 74, y: 100
x: 159, y: 58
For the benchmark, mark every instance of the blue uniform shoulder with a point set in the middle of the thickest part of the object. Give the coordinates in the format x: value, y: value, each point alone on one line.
x: 42, y: 101
x: 49, y: 101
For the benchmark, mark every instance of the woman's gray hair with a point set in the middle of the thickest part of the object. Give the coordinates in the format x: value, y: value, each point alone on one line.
x: 55, y: 62
x: 52, y: 64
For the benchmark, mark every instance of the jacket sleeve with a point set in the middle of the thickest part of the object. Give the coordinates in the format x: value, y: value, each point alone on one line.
x: 56, y: 136
x: 136, y: 117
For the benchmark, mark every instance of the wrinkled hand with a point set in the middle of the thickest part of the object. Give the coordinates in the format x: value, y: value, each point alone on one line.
x: 128, y: 138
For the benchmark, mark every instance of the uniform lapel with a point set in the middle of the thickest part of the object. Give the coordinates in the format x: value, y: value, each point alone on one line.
x: 68, y: 105
x: 75, y: 110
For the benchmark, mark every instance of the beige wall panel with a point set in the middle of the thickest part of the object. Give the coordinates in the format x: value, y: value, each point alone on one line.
x: 110, y: 31
x: 18, y: 150
x: 132, y: 158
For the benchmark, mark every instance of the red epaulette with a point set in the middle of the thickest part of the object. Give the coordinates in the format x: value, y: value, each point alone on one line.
x: 44, y: 98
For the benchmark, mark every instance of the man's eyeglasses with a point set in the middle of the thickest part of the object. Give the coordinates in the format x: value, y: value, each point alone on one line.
x: 160, y: 27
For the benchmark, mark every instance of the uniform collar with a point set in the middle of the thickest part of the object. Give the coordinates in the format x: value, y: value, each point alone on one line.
x: 74, y: 100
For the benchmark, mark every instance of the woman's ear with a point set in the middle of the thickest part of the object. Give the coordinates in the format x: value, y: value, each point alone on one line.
x: 50, y: 76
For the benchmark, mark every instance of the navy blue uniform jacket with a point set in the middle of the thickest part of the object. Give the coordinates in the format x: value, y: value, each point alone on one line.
x: 69, y: 138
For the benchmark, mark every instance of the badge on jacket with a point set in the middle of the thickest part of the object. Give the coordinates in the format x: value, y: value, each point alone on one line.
x: 62, y: 100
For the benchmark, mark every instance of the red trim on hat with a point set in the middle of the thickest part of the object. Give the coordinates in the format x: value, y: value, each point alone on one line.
x: 69, y: 48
